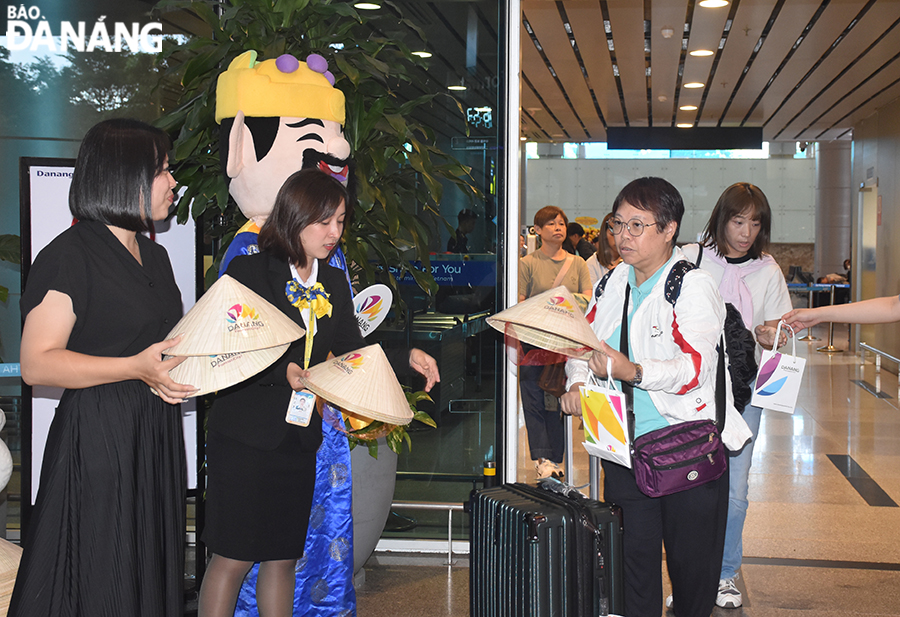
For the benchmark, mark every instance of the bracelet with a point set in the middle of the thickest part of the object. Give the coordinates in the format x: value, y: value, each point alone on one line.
x: 638, y: 375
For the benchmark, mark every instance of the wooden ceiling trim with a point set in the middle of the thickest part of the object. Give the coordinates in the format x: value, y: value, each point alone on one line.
x: 587, y: 26
x: 627, y: 20
x: 548, y: 29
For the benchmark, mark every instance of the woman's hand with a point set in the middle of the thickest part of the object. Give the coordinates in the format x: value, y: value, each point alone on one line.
x: 800, y: 319
x: 294, y: 376
x: 765, y: 336
x: 425, y: 365
x: 154, y: 371
x: 570, y: 402
x: 620, y: 366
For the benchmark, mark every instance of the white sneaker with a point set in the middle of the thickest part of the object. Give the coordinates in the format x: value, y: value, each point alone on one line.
x: 729, y: 596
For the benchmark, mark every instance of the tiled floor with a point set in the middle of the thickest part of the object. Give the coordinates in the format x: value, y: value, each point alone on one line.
x: 822, y: 535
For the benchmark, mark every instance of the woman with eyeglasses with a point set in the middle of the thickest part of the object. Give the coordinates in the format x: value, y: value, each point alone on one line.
x: 669, y: 357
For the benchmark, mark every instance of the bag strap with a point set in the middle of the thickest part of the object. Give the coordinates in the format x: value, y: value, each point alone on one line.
x: 699, y: 254
x: 628, y: 389
x: 562, y: 271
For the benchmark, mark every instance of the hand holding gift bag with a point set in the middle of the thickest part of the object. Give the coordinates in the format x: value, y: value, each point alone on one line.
x: 777, y: 383
x: 605, y: 420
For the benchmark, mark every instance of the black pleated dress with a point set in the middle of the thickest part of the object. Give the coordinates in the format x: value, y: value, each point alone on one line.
x: 106, y: 537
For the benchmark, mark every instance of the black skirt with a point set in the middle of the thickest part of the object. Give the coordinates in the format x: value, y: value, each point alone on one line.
x: 258, y: 501
x: 107, y: 533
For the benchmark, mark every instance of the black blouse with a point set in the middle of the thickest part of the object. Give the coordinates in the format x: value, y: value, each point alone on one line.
x: 121, y: 307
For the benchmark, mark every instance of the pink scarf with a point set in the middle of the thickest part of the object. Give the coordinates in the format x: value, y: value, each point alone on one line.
x: 733, y: 288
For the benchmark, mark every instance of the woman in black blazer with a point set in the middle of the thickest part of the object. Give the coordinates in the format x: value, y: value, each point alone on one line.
x: 261, y: 470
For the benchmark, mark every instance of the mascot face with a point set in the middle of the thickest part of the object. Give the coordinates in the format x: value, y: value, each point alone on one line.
x: 299, y: 143
x: 303, y: 113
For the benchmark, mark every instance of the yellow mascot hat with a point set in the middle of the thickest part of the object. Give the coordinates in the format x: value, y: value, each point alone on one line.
x: 276, y: 88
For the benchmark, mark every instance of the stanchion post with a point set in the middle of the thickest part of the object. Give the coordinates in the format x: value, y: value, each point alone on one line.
x: 830, y: 348
x: 809, y: 304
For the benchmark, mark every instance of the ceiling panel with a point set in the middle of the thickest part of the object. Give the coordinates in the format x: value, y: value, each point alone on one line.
x: 807, y: 99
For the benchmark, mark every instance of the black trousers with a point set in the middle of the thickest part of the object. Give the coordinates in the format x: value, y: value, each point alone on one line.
x: 691, y: 526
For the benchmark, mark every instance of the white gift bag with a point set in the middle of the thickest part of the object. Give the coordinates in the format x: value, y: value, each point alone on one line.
x: 777, y: 382
x: 605, y: 421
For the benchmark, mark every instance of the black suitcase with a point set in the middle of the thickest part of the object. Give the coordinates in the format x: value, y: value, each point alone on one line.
x: 539, y: 553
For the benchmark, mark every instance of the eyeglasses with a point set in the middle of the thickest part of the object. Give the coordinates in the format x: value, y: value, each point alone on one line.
x: 635, y: 227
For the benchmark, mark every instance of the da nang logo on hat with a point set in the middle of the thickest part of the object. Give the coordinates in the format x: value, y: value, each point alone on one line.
x: 350, y: 362
x: 560, y: 304
x: 241, y: 317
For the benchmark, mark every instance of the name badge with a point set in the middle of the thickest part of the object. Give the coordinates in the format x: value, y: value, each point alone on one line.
x: 300, y: 409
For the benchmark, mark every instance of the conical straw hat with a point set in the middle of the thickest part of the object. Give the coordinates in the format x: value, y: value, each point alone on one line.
x: 363, y: 383
x: 217, y: 372
x: 230, y: 318
x: 10, y: 555
x: 552, y: 321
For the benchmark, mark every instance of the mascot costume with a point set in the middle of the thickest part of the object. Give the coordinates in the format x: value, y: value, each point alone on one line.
x: 277, y: 117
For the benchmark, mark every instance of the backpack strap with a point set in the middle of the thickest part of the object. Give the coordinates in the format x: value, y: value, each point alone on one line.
x: 672, y: 291
x: 601, y: 284
x: 676, y: 278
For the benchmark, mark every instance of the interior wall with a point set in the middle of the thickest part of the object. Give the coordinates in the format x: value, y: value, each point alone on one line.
x: 876, y: 166
x: 588, y: 187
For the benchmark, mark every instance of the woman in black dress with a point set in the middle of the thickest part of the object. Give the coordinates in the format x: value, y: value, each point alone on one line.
x: 261, y: 470
x: 107, y: 532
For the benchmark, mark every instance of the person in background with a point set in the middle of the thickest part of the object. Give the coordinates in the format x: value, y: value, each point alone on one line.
x: 875, y: 310
x: 460, y: 242
x: 734, y: 244
x: 606, y: 257
x: 546, y: 268
x: 107, y: 532
x: 575, y: 242
x: 671, y: 361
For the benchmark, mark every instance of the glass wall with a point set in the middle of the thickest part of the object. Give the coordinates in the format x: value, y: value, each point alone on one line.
x: 53, y: 91
x: 467, y: 47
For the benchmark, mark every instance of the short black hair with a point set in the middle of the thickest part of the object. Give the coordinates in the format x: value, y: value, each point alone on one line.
x: 574, y: 228
x: 656, y: 196
x: 114, y: 172
x: 306, y: 197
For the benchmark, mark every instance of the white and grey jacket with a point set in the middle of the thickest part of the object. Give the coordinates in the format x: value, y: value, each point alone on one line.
x: 676, y: 346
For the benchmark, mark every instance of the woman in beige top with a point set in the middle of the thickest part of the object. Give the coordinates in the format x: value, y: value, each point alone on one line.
x: 538, y: 272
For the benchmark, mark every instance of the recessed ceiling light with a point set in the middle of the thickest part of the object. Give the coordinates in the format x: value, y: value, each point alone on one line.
x: 685, y: 125
x: 713, y: 4
x: 694, y: 84
x: 456, y: 87
x: 422, y: 54
x: 701, y: 53
x: 688, y: 108
x: 367, y: 6
x: 523, y: 139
